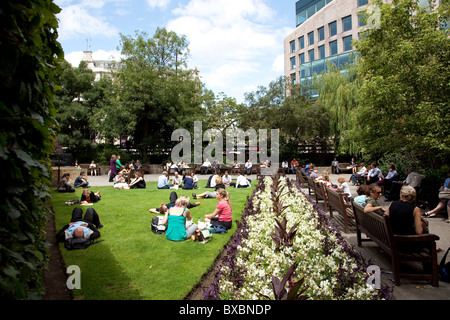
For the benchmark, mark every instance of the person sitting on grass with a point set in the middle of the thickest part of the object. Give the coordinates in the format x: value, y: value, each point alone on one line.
x: 223, y: 214
x: 80, y: 227
x: 81, y: 181
x: 88, y: 197
x: 138, y: 181
x: 188, y: 182
x: 242, y: 182
x: 65, y: 184
x: 163, y: 182
x: 173, y: 199
x: 120, y: 182
x: 176, y: 218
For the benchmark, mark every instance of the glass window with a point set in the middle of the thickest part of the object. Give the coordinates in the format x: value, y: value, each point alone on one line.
x: 311, y: 55
x: 302, y: 58
x: 362, y: 2
x: 301, y: 42
x: 362, y: 18
x: 322, y: 52
x: 293, y: 63
x: 293, y: 79
x: 347, y: 23
x: 292, y: 43
x: 332, y: 27
x: 347, y: 43
x: 321, y: 33
x: 333, y: 47
x: 311, y: 38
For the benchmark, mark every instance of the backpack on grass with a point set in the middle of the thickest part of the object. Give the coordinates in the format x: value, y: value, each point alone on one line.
x: 157, y: 226
x: 79, y: 243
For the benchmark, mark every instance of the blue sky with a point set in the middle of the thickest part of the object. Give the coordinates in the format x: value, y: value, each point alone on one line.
x: 237, y: 45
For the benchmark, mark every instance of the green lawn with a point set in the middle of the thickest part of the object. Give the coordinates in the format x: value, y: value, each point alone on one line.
x: 132, y: 262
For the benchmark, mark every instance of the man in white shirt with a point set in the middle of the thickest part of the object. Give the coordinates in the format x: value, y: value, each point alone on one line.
x: 227, y: 180
x: 248, y: 167
x: 242, y: 182
x: 205, y: 167
x: 162, y: 181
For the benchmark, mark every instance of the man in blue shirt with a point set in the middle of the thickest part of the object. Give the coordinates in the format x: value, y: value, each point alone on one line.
x: 80, y: 227
x: 163, y: 183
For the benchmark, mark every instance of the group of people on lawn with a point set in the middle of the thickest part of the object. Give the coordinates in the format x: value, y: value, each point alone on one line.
x: 406, y: 217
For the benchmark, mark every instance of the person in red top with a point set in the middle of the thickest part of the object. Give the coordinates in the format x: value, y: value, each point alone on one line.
x: 294, y: 165
x: 222, y: 215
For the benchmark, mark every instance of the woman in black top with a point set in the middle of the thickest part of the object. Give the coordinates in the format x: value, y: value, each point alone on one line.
x: 404, y: 215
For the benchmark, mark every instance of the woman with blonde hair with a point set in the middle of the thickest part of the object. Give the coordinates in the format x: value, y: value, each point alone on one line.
x: 223, y: 213
x: 176, y: 218
x: 405, y: 216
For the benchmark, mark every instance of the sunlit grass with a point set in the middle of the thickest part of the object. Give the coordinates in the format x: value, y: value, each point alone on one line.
x: 132, y: 262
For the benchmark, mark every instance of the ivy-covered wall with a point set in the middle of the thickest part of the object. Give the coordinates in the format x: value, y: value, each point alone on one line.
x: 30, y: 54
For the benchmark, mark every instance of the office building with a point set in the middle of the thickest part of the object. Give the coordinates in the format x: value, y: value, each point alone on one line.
x: 324, y: 33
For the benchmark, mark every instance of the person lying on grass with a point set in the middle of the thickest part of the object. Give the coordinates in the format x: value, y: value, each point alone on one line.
x: 80, y: 226
x: 176, y: 217
x: 165, y: 207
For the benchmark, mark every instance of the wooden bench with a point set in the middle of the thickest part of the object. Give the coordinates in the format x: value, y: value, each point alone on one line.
x: 378, y: 229
x: 301, y: 179
x: 321, y: 194
x: 342, y: 168
x: 338, y: 201
x: 311, y: 186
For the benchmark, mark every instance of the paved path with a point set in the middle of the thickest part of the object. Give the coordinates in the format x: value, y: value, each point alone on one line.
x: 409, y: 289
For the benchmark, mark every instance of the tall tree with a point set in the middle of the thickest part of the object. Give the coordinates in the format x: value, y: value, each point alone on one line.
x: 404, y: 64
x: 157, y: 88
x: 338, y: 93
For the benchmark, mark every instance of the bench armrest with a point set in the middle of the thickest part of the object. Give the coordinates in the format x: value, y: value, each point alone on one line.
x: 416, y: 238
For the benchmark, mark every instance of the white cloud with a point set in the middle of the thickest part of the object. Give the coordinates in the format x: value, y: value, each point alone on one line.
x: 158, y: 3
x: 75, y: 57
x: 76, y: 21
x: 230, y: 40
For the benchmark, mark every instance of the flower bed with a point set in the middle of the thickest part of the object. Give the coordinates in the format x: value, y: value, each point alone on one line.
x: 324, y: 265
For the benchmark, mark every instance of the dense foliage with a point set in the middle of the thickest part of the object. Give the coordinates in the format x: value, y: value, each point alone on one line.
x: 404, y: 69
x: 30, y: 54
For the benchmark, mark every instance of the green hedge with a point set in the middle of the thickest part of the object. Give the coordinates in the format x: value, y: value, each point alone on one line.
x: 30, y: 53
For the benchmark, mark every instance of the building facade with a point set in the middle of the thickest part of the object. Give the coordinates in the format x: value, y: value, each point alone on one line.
x: 99, y: 67
x: 324, y: 33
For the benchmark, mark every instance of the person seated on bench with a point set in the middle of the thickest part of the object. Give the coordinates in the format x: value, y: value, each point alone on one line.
x: 374, y: 175
x: 343, y: 186
x: 363, y: 195
x: 358, y: 177
x: 335, y: 165
x: 405, y: 216
x: 372, y: 204
x: 387, y: 181
x: 442, y: 202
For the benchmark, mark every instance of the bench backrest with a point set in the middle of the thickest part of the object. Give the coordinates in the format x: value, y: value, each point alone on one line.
x: 336, y: 200
x: 375, y: 226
